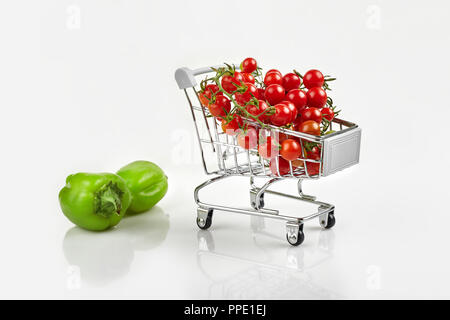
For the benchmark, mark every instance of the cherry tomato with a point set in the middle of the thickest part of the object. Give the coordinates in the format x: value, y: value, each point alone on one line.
x: 274, y: 70
x: 311, y: 114
x: 229, y: 82
x: 317, y: 97
x: 273, y: 78
x: 274, y: 94
x: 220, y: 107
x: 214, y: 88
x: 328, y: 113
x: 268, y: 149
x: 313, y: 168
x: 283, y: 167
x: 259, y: 110
x: 291, y: 81
x: 298, y: 97
x: 248, y: 65
x: 247, y: 95
x: 206, y: 96
x: 261, y: 95
x: 247, y: 139
x: 232, y: 126
x: 290, y: 149
x: 313, y: 78
x: 248, y: 77
x: 293, y: 109
x: 282, y: 115
x: 314, y: 153
x: 309, y: 127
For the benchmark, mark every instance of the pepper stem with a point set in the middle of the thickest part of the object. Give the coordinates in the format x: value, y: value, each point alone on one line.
x: 107, y: 200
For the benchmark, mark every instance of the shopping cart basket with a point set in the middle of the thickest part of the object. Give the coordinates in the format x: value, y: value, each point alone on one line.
x: 339, y: 150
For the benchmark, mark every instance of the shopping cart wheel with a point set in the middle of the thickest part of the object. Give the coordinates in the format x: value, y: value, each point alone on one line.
x: 204, y: 218
x: 295, y: 235
x: 331, y: 220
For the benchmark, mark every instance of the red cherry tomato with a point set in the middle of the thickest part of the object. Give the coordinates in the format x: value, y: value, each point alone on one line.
x: 247, y: 95
x: 247, y: 139
x: 206, y: 96
x: 312, y: 167
x: 273, y: 78
x: 328, y: 113
x: 220, y: 107
x: 274, y: 94
x: 213, y: 88
x: 230, y: 82
x: 313, y: 154
x: 259, y: 110
x: 248, y: 65
x: 313, y: 78
x: 298, y: 97
x: 261, y: 95
x: 282, y: 115
x: 293, y: 109
x: 291, y: 81
x: 311, y: 114
x: 274, y: 70
x: 317, y: 97
x: 231, y: 127
x: 268, y: 149
x: 309, y: 127
x: 290, y: 149
x: 248, y: 77
x: 282, y: 169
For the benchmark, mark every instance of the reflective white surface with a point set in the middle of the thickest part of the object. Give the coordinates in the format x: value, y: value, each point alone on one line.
x: 88, y: 86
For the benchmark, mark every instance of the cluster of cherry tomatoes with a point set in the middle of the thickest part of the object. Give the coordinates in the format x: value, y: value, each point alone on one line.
x: 292, y: 101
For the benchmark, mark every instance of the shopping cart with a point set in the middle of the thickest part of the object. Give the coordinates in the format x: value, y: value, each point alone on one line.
x: 339, y: 150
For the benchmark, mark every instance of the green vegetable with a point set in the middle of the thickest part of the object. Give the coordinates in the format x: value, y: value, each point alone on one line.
x: 147, y: 183
x: 94, y: 201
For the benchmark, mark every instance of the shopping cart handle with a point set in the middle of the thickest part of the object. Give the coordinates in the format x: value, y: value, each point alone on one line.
x: 185, y: 77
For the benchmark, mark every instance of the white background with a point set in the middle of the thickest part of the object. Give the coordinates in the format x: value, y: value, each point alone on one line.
x: 89, y: 86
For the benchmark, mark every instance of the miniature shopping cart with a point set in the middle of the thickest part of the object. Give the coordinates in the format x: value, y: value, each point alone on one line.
x: 339, y: 150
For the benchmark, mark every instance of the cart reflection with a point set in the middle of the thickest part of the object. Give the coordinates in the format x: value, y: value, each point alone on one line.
x: 264, y: 273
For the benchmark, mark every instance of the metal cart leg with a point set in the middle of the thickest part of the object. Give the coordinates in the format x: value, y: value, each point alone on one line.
x: 257, y: 194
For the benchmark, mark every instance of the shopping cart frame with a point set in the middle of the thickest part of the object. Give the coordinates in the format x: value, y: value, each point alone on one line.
x: 339, y: 150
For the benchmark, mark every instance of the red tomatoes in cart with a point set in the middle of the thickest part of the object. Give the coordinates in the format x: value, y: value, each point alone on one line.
x: 311, y: 114
x: 314, y: 153
x: 207, y: 94
x: 309, y: 127
x: 274, y: 70
x: 328, y: 113
x: 282, y: 168
x: 317, y: 97
x: 282, y: 115
x: 291, y: 81
x: 248, y: 77
x: 231, y: 127
x: 260, y: 110
x: 293, y: 109
x: 247, y: 95
x: 273, y: 78
x: 298, y: 98
x: 249, y: 65
x: 261, y: 94
x: 290, y: 149
x: 313, y: 78
x: 274, y: 94
x: 247, y: 139
x: 268, y: 148
x: 220, y: 107
x: 231, y: 82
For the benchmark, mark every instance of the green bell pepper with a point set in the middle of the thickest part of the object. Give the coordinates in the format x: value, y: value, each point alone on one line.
x: 94, y: 201
x: 146, y: 182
